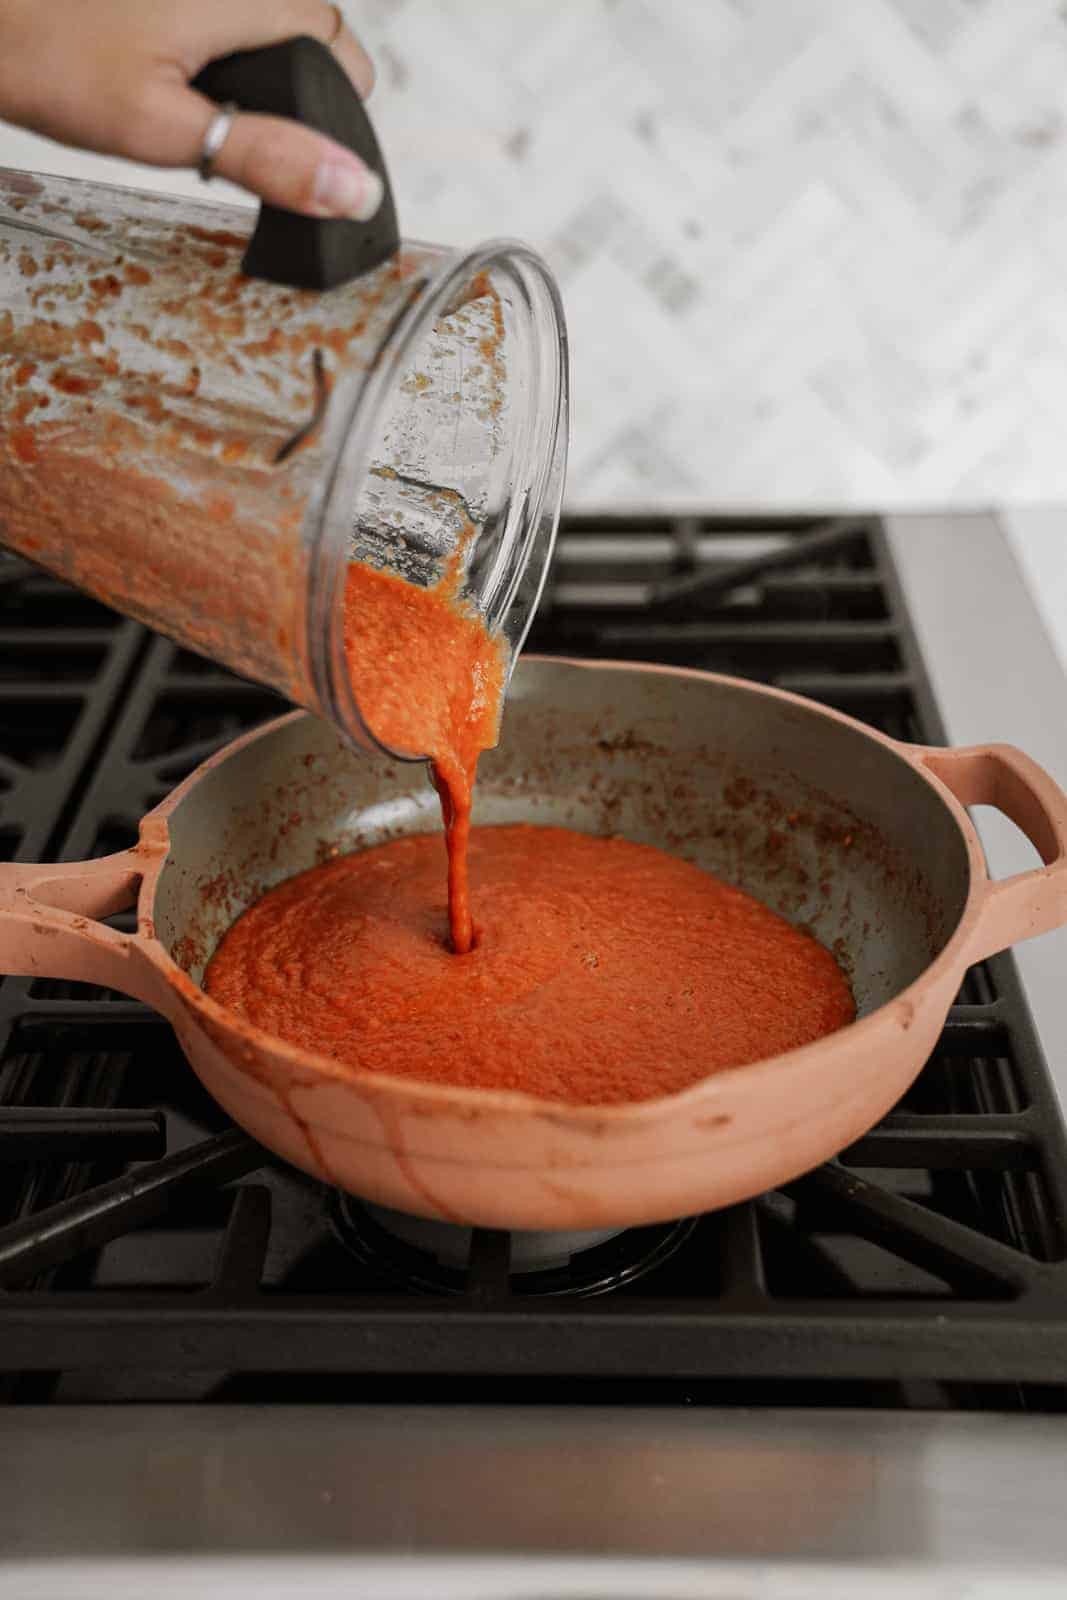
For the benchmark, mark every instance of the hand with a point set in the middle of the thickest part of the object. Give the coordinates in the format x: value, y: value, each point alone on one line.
x: 113, y: 76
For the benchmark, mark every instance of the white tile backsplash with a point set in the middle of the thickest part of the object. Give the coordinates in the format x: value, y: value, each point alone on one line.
x: 813, y: 252
x: 810, y: 252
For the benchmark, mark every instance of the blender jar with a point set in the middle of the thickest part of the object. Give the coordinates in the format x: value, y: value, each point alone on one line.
x: 207, y: 452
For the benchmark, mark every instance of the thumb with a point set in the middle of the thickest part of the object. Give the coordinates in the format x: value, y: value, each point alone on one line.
x: 295, y: 168
x: 281, y: 161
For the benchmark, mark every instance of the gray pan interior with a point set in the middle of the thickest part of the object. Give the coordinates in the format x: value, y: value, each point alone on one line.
x: 824, y: 824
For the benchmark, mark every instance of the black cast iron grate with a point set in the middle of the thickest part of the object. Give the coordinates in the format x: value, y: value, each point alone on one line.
x: 149, y: 1251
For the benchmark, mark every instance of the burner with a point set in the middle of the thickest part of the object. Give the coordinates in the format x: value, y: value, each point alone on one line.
x: 145, y: 1247
x: 434, y: 1257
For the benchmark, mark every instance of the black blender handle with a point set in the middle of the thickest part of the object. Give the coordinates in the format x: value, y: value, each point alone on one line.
x: 302, y: 79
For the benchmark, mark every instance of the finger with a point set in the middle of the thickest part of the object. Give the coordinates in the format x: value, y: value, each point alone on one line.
x: 356, y: 62
x: 282, y: 162
x: 251, y: 24
x: 293, y: 167
x: 320, y: 19
x: 346, y: 47
x: 298, y: 170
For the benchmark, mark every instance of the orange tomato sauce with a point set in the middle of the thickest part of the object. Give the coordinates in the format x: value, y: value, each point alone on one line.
x: 604, y: 971
x: 599, y: 970
x: 429, y: 678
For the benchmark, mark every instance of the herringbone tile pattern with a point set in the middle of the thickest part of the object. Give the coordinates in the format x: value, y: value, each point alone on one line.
x: 812, y: 251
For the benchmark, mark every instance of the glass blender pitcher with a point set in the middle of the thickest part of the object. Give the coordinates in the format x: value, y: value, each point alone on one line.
x: 203, y: 426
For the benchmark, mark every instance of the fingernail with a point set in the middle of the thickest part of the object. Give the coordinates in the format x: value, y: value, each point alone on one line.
x: 346, y: 190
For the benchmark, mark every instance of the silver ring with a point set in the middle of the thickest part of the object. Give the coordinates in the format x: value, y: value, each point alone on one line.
x: 218, y: 130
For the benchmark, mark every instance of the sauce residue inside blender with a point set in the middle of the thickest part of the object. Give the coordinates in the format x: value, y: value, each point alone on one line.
x: 605, y: 971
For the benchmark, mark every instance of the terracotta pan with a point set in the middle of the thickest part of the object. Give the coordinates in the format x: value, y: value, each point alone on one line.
x: 864, y: 839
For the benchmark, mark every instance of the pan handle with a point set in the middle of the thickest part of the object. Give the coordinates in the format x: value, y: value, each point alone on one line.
x: 999, y: 775
x: 48, y: 925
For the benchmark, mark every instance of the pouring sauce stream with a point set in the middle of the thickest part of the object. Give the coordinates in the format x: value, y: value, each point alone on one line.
x: 430, y: 680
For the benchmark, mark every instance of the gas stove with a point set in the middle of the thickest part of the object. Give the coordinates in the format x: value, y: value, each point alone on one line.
x: 156, y: 1264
